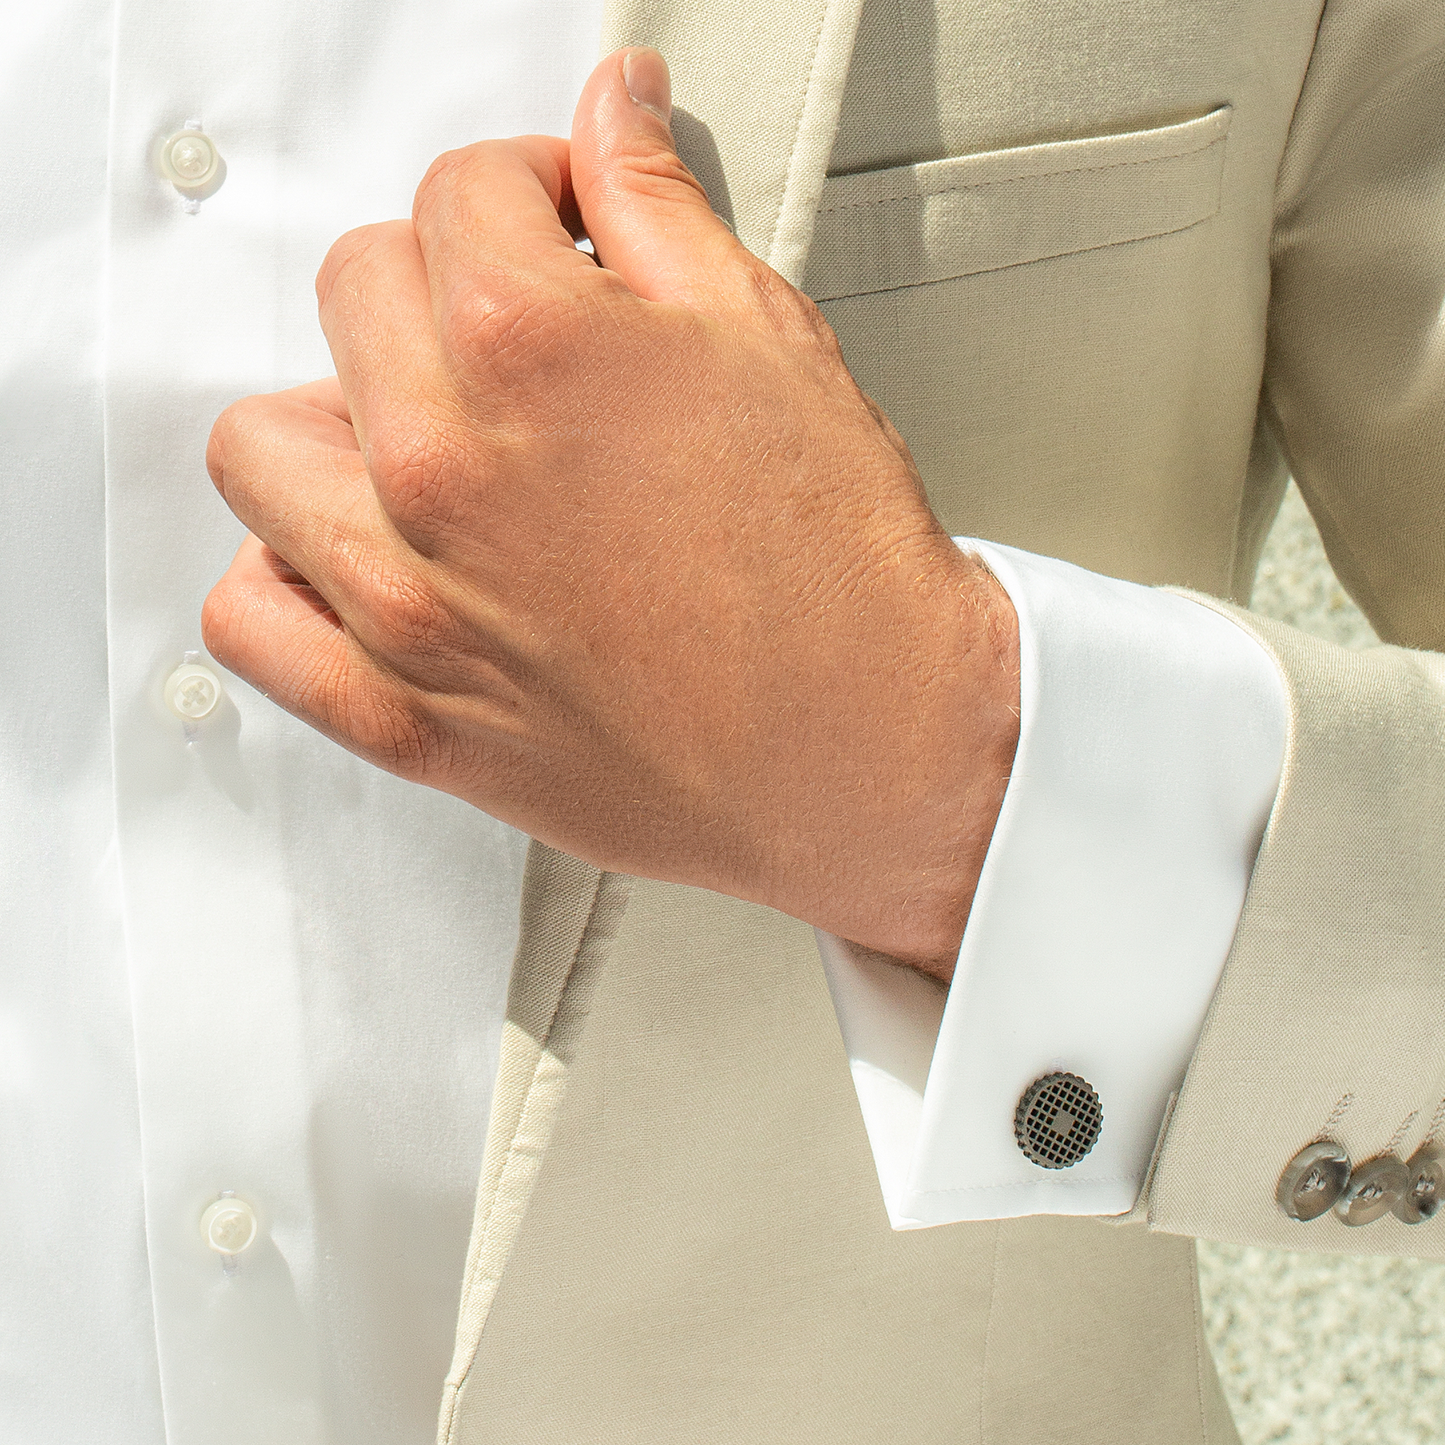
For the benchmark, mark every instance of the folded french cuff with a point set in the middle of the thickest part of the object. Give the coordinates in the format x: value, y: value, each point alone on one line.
x: 1151, y: 739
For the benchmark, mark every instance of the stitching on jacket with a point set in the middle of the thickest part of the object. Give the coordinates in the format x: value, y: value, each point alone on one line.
x: 988, y: 1333
x: 1342, y: 1107
x: 1435, y: 1121
x: 1398, y: 1137
x: 952, y: 275
x: 944, y: 189
x: 790, y: 174
x: 1200, y: 1345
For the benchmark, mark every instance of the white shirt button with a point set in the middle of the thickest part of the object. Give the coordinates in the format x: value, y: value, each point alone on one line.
x: 190, y: 161
x: 229, y: 1225
x: 192, y: 691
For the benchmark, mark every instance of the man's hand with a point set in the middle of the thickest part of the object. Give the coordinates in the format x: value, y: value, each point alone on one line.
x: 620, y: 553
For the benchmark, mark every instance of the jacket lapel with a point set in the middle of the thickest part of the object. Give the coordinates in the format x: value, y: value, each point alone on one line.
x: 569, y: 919
x: 757, y: 87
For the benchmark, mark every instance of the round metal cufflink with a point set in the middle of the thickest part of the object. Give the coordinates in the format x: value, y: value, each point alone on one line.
x: 1313, y: 1180
x: 1422, y: 1194
x: 1374, y: 1189
x: 1058, y: 1120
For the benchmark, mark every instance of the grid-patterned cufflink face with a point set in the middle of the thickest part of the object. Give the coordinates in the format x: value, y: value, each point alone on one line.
x: 1058, y: 1120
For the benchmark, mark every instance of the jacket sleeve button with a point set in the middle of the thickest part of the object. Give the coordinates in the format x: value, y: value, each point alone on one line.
x: 1374, y: 1190
x: 1313, y: 1180
x: 1420, y: 1199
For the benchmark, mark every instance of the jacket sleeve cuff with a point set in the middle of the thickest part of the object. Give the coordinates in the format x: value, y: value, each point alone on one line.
x: 1150, y: 744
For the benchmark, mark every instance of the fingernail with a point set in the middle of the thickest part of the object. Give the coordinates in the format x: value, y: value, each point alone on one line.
x: 644, y: 73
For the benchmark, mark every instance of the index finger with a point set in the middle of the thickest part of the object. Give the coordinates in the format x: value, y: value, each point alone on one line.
x: 494, y: 214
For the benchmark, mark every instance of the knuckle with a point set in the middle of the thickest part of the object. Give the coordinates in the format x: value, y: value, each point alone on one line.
x: 659, y: 175
x: 777, y: 300
x: 350, y: 264
x: 436, y: 192
x: 394, y: 733
x: 813, y: 328
x: 790, y: 315
x: 218, y: 444
x: 235, y: 432
x: 409, y: 620
x: 444, y: 191
x: 232, y: 626
x: 416, y: 470
x: 341, y: 255
x: 516, y: 333
x: 809, y: 315
x: 218, y: 623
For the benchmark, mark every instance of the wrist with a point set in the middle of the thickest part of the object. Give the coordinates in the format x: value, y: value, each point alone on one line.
x: 913, y: 807
x: 966, y: 741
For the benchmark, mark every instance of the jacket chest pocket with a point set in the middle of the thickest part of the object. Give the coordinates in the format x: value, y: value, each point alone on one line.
x: 937, y: 220
x: 1068, y: 336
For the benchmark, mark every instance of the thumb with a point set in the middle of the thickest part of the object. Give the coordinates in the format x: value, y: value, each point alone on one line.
x: 648, y: 218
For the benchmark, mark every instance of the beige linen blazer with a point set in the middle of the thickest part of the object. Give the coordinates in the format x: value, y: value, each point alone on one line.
x: 1113, y: 270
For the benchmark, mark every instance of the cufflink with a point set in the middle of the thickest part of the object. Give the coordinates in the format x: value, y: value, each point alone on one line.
x: 1421, y: 1197
x: 1058, y: 1120
x: 1313, y: 1180
x: 1374, y: 1189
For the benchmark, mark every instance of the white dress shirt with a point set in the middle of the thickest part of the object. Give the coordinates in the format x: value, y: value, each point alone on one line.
x: 235, y: 958
x: 242, y: 970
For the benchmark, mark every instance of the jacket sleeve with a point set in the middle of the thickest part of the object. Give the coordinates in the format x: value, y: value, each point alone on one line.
x: 1329, y: 1020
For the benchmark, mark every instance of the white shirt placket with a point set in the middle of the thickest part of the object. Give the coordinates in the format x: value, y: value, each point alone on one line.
x: 318, y: 953
x: 220, y: 1048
